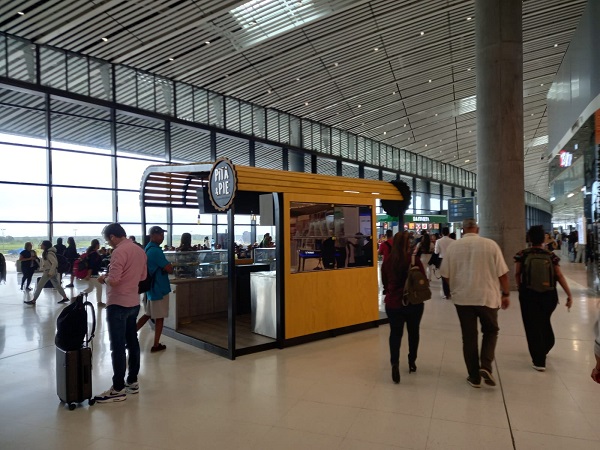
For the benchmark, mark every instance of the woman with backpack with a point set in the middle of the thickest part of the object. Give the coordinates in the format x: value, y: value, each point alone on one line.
x: 92, y: 262
x: 50, y: 272
x: 536, y: 274
x: 394, y: 272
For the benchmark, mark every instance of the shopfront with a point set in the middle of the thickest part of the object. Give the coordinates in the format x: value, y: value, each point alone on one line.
x: 318, y: 280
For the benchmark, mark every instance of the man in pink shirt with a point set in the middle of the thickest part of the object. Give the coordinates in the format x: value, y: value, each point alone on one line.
x: 127, y: 269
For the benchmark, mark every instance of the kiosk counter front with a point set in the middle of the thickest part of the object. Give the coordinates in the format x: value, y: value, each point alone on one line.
x: 320, y: 279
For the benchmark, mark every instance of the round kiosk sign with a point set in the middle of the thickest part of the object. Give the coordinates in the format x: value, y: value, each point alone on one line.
x: 222, y: 184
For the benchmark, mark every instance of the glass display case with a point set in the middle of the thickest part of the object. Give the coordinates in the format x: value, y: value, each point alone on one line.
x: 265, y: 256
x: 198, y: 264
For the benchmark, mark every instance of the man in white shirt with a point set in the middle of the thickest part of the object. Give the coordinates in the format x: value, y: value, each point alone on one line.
x: 477, y: 276
x: 440, y: 248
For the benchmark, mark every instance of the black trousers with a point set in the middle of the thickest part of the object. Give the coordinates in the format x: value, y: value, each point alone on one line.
x: 536, y: 311
x: 27, y: 275
x: 488, y: 317
x: 411, y: 316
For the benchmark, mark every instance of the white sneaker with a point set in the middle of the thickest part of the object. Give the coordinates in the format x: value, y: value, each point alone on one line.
x: 132, y: 388
x: 539, y: 368
x: 111, y: 395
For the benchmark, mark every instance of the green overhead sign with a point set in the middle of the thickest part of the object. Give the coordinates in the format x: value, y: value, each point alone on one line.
x: 414, y: 218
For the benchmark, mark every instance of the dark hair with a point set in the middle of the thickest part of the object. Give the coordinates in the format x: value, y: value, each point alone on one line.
x: 46, y: 245
x: 400, y: 254
x: 71, y: 242
x: 59, y: 241
x: 425, y: 242
x: 115, y: 229
x: 445, y: 231
x: 93, y: 245
x: 389, y: 234
x: 186, y: 242
x: 536, y: 235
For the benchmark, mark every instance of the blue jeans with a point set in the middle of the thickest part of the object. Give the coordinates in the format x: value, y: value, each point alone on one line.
x: 122, y: 330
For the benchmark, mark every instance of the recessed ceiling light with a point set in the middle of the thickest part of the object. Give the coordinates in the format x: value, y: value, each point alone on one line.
x: 467, y: 160
x: 469, y: 69
x: 422, y: 33
x: 171, y: 59
x: 376, y: 49
x: 359, y: 106
x: 556, y: 45
x: 105, y: 39
x: 21, y: 13
x: 385, y: 132
x: 470, y: 131
x: 430, y: 81
x: 468, y: 18
x: 393, y: 92
x: 335, y: 64
x: 435, y: 114
x: 405, y: 125
x: 305, y: 103
x: 440, y: 141
x: 268, y: 91
x: 207, y: 42
x: 532, y: 114
x: 297, y: 79
x: 425, y: 145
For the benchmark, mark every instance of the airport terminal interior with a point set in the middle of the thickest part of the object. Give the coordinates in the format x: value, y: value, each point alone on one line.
x: 331, y: 394
x: 95, y: 96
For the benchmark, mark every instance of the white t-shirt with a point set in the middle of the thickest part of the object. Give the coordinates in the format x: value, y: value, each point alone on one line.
x: 473, y: 265
x: 442, y: 244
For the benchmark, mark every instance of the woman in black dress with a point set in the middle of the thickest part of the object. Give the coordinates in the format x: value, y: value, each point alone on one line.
x: 72, y: 255
x: 29, y: 265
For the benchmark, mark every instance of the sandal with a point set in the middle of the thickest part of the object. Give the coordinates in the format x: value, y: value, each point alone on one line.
x: 158, y: 348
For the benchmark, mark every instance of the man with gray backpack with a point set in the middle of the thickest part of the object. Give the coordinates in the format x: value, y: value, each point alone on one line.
x: 536, y: 274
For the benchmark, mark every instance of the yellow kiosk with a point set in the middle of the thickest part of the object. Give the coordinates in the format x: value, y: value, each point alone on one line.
x: 325, y: 277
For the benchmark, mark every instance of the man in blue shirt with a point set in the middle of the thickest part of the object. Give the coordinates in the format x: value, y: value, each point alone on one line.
x: 156, y: 303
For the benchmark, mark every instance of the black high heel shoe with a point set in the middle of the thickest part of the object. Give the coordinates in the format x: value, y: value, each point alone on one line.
x: 412, y: 367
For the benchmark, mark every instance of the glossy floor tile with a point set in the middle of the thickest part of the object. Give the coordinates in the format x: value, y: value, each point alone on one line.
x: 331, y: 394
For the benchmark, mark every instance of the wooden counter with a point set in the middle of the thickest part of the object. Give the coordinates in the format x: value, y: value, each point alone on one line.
x: 194, y: 299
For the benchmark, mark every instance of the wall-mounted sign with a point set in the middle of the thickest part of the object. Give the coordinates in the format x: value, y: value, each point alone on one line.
x: 460, y: 209
x: 222, y: 184
x: 566, y: 158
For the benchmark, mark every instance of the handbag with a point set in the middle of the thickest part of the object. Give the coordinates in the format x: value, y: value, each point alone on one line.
x: 416, y: 287
x: 435, y: 261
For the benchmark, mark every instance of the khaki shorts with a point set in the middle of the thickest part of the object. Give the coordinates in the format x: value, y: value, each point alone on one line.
x: 157, y: 309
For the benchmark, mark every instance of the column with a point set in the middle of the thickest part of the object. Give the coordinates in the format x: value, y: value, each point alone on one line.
x: 500, y: 165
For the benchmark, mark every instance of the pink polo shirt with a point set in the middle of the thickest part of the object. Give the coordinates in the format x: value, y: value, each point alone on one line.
x: 127, y: 269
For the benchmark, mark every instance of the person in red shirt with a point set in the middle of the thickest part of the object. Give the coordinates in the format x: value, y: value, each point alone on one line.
x: 385, y: 247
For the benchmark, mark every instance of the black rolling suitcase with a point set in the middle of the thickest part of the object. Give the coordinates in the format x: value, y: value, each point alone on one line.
x: 73, y: 354
x: 74, y: 376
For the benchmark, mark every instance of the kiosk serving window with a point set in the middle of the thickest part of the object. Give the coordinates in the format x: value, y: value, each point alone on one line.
x: 329, y: 236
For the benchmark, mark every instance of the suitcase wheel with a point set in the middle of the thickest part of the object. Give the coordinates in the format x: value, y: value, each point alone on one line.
x: 72, y: 406
x: 91, y: 401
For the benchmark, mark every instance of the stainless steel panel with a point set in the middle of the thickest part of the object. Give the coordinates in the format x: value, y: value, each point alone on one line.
x: 263, y: 298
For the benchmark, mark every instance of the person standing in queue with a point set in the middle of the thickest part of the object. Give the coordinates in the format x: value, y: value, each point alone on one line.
x: 127, y: 269
x: 156, y: 303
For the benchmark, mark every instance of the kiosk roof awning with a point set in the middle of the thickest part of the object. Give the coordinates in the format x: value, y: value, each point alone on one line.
x: 177, y: 185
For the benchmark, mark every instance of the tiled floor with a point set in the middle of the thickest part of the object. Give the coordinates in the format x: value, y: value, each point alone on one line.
x: 332, y: 394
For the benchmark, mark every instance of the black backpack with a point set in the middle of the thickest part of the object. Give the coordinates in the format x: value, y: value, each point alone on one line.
x: 63, y: 264
x: 72, y: 325
x: 537, y: 272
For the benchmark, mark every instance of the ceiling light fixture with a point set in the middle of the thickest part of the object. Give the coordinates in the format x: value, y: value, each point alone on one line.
x: 430, y: 81
x: 171, y: 59
x: 268, y: 91
x: 105, y: 39
x: 384, y: 133
x: 555, y: 45
x: 297, y: 79
x: 469, y: 69
x: 468, y: 18
x: 376, y: 49
x: 467, y: 160
x: 335, y: 64
x: 21, y: 13
x: 359, y: 106
x: 207, y: 42
x: 422, y: 33
x: 570, y: 195
x: 305, y: 103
